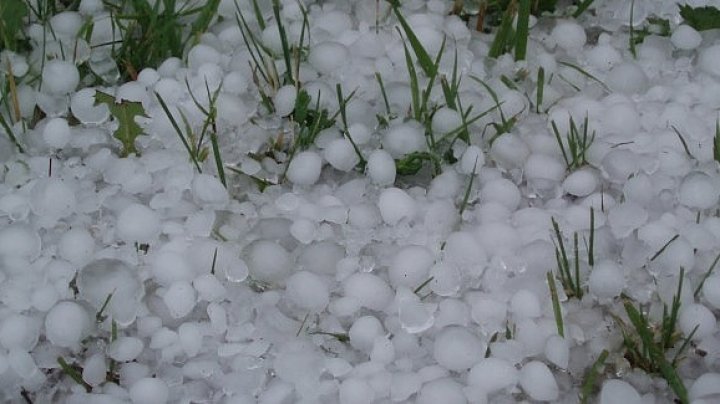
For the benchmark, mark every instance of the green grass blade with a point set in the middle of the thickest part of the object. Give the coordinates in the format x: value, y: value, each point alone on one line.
x: 684, y: 143
x: 523, y: 24
x: 706, y: 275
x: 662, y: 249
x: 582, y: 7
x: 424, y: 59
x: 557, y: 311
x: 73, y: 373
x: 716, y: 142
x: 586, y: 74
x: 218, y: 158
x: 383, y: 92
x: 284, y: 42
x: 414, y: 86
x: 591, y: 376
x: 503, y: 37
x: 258, y: 15
x: 178, y: 131
x: 10, y: 134
x: 540, y: 89
x: 468, y: 189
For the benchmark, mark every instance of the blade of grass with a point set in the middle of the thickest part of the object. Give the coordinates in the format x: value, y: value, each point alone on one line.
x: 582, y: 7
x: 284, y: 42
x: 178, y: 131
x: 706, y: 275
x: 540, y: 89
x: 684, y: 143
x: 73, y: 373
x: 383, y: 92
x: 557, y: 311
x: 523, y: 24
x: 468, y: 189
x: 592, y: 375
x: 10, y: 134
x: 662, y: 249
x: 586, y: 74
x: 424, y: 59
x: 503, y: 37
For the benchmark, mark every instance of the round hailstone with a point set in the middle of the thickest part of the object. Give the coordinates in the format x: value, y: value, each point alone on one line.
x: 180, y: 299
x: 19, y: 332
x: 284, y: 100
x: 370, y: 290
x: 410, y: 266
x: 603, y: 57
x: 472, y: 160
x: 446, y: 391
x: 341, y: 154
x: 66, y: 324
x: 626, y: 217
x: 618, y: 391
x: 557, y: 351
x: 268, y: 261
x: 149, y: 390
x: 709, y: 60
x: 304, y: 168
x: 698, y: 191
x: 685, y: 37
x: 581, y: 183
x: 446, y: 279
x: 404, y: 138
x: 381, y: 168
x: 711, y: 290
x: 56, y: 133
x: 138, y: 223
x: 696, y: 315
x: 359, y: 133
x: 502, y: 191
x: 544, y: 171
x: 525, y: 304
x: 396, y: 205
x: 77, y: 246
x: 326, y: 57
x: 706, y: 387
x: 19, y: 240
x: 308, y: 291
x: 105, y: 277
x: 356, y: 391
x: 493, y: 374
x: 170, y: 266
x: 569, y: 35
x: 628, y: 78
x: 445, y: 120
x: 94, y: 370
x: 207, y: 189
x: 456, y: 348
x: 538, y: 382
x: 52, y: 199
x: 60, y: 77
x: 363, y: 333
x: 607, y: 280
x: 125, y: 349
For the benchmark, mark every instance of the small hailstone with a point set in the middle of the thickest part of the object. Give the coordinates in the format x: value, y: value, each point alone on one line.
x: 370, y: 290
x: 396, y: 205
x: 268, y: 261
x: 525, y: 304
x: 619, y: 391
x: 607, y: 280
x: 138, y: 223
x: 76, y: 245
x: 60, y: 77
x: 94, y: 370
x: 191, y: 336
x: 207, y: 189
x: 569, y: 35
x: 356, y: 391
x: 580, y: 183
x: 696, y: 315
x: 341, y: 154
x: 363, y: 332
x: 19, y: 332
x: 709, y: 60
x: 711, y: 290
x: 445, y: 120
x: 308, y: 291
x: 685, y: 37
x: 456, y: 348
x: 410, y: 266
x: 557, y: 351
x: 404, y: 138
x: 705, y: 387
x: 381, y: 168
x: 180, y: 299
x: 66, y: 324
x: 56, y: 133
x: 19, y: 241
x: 326, y: 57
x: 493, y: 374
x: 305, y: 168
x: 472, y: 160
x: 125, y: 349
x: 628, y: 78
x: 359, y: 133
x: 699, y: 191
x: 284, y: 100
x: 446, y: 391
x: 149, y: 391
x: 538, y: 382
x: 53, y: 199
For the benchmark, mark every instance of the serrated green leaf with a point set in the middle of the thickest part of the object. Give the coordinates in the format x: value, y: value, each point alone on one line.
x: 700, y: 18
x: 125, y: 113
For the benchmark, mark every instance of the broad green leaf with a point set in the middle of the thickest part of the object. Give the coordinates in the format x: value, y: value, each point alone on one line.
x: 700, y: 18
x: 125, y: 113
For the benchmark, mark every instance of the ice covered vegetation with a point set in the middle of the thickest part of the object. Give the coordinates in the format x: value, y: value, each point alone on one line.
x: 356, y: 202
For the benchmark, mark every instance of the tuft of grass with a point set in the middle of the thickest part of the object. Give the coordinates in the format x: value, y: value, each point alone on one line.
x: 152, y: 31
x: 74, y: 373
x: 578, y: 142
x: 504, y: 38
x: 194, y: 154
x: 568, y: 270
x: 647, y: 345
x: 523, y: 23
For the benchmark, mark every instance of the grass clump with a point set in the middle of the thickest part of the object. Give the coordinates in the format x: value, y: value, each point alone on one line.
x: 152, y: 31
x: 575, y: 145
x: 568, y: 269
x: 647, y: 345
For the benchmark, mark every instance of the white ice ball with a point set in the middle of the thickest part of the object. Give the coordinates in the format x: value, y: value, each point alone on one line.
x: 538, y: 382
x: 396, y: 205
x: 305, y: 168
x: 569, y: 35
x: 381, y: 168
x: 138, y: 223
x: 60, y: 77
x: 685, y: 37
x: 56, y: 133
x: 66, y: 324
x: 149, y: 390
x: 308, y: 291
x: 457, y: 349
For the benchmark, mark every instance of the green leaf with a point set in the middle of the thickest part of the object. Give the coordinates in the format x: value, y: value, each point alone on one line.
x: 12, y: 15
x: 125, y: 113
x: 424, y: 59
x: 700, y: 18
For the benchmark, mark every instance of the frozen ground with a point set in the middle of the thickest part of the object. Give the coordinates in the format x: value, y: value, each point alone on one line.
x: 325, y: 282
